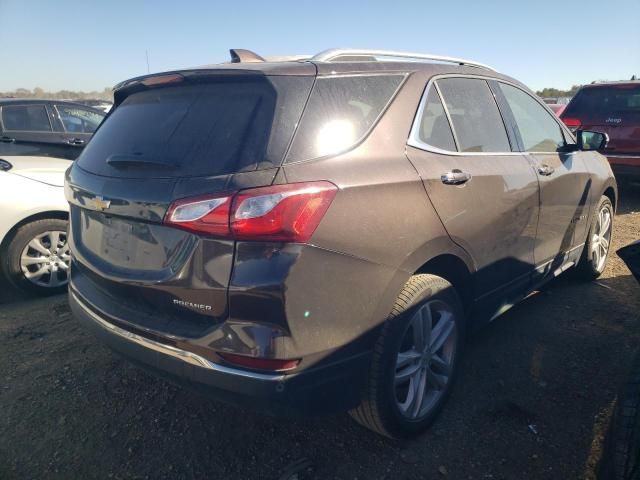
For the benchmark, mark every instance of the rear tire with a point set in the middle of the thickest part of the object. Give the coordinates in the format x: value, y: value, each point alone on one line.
x: 32, y: 263
x: 409, y: 378
x: 598, y: 244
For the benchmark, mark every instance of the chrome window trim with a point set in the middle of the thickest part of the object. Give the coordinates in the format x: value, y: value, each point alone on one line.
x: 414, y: 135
x: 177, y: 353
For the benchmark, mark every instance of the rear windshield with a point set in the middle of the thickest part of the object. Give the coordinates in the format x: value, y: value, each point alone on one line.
x: 591, y: 101
x: 223, y: 126
x: 340, y: 112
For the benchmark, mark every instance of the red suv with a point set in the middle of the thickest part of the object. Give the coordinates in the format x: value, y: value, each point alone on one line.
x: 612, y: 108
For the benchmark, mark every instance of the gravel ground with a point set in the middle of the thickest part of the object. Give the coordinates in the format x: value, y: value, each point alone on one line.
x: 533, y: 400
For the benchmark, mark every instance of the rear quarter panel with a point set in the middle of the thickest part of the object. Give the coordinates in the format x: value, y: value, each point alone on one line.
x: 379, y: 230
x: 21, y: 198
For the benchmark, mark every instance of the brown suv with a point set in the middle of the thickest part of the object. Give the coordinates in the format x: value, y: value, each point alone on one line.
x: 318, y: 234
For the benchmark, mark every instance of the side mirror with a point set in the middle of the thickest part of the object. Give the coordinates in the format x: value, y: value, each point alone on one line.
x: 588, y: 140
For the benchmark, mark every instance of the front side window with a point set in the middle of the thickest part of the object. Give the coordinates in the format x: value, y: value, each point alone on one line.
x: 79, y: 120
x: 434, y: 125
x: 26, y: 118
x: 538, y: 130
x: 474, y: 114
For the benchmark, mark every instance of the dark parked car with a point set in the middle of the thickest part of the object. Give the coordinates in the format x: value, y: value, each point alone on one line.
x: 612, y: 108
x: 316, y: 235
x: 46, y: 128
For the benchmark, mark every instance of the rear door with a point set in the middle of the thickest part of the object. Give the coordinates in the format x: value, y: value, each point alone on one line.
x: 78, y: 124
x: 28, y: 129
x: 485, y: 194
x: 565, y: 185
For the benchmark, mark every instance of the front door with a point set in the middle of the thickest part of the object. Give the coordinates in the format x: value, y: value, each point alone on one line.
x: 565, y: 185
x: 485, y: 194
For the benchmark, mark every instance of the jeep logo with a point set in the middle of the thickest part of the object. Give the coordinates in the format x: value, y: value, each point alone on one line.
x: 613, y: 120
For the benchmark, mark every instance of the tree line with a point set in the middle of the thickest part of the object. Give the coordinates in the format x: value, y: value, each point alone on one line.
x: 554, y: 92
x: 38, y: 92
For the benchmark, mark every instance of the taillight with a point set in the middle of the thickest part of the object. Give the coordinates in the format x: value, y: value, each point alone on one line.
x: 162, y: 79
x: 288, y: 213
x: 272, y: 364
x: 208, y: 215
x: 572, y: 123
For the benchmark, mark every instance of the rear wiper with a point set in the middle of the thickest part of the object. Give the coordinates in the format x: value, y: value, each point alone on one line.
x: 123, y: 160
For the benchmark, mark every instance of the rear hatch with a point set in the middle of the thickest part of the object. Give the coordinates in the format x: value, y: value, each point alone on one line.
x: 171, y: 137
x: 612, y: 109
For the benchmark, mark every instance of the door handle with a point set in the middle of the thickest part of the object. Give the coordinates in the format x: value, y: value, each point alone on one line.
x: 7, y: 139
x: 75, y: 141
x: 455, y: 177
x: 546, y: 170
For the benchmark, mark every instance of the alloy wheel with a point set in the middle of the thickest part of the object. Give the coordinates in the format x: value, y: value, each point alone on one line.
x: 45, y: 260
x: 424, y: 364
x: 601, y: 238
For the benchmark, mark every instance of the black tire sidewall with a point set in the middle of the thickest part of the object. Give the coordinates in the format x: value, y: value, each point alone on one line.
x: 16, y: 244
x: 396, y: 423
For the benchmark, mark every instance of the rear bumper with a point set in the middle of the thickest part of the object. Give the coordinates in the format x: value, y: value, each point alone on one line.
x: 330, y: 387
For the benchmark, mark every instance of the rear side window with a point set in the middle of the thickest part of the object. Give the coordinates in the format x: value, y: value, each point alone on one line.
x: 26, y: 118
x: 79, y: 120
x: 539, y: 131
x: 619, y: 99
x: 227, y: 125
x: 340, y: 112
x: 474, y: 114
x: 434, y: 125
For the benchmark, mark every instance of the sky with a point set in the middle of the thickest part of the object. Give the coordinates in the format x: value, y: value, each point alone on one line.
x: 89, y: 45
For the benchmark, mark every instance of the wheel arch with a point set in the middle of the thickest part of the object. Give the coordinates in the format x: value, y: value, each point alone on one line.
x: 56, y: 214
x: 611, y: 193
x: 455, y: 270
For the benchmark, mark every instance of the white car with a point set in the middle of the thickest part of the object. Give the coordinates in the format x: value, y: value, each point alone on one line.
x: 34, y: 254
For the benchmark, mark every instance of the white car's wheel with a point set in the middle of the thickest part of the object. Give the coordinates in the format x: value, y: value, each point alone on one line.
x: 36, y: 257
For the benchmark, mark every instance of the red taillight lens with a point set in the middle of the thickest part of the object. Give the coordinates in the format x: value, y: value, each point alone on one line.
x: 272, y: 364
x: 572, y: 123
x: 287, y: 213
x: 162, y: 79
x: 208, y: 215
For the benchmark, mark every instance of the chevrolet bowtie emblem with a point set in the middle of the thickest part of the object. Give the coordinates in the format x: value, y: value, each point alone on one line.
x: 99, y: 203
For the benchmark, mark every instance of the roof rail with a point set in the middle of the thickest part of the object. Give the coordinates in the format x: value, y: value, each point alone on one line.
x: 334, y: 54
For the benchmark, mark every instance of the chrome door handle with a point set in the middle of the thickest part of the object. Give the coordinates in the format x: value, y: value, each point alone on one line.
x: 546, y: 170
x: 75, y: 141
x: 455, y: 177
x: 7, y: 139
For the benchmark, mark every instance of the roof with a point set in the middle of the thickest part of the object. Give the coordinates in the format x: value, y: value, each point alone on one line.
x: 311, y: 68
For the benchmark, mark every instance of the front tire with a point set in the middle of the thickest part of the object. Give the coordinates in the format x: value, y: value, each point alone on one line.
x: 415, y: 359
x: 596, y: 249
x: 36, y: 257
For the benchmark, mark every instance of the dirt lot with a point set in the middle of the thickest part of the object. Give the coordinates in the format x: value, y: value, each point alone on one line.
x: 532, y: 400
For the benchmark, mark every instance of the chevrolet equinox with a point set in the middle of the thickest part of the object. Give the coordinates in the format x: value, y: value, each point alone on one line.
x: 317, y: 234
